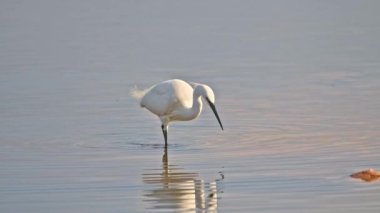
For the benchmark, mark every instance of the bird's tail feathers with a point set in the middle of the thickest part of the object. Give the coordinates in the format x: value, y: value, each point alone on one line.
x: 137, y: 93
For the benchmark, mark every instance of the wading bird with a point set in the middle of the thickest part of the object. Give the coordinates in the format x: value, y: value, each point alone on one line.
x: 176, y: 100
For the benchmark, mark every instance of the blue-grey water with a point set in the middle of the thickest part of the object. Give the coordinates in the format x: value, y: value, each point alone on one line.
x: 297, y: 88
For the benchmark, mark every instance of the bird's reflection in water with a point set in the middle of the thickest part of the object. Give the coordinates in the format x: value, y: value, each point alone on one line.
x: 179, y: 191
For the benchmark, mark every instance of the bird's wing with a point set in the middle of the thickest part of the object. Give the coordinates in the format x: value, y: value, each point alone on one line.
x: 183, y: 94
x: 159, y: 99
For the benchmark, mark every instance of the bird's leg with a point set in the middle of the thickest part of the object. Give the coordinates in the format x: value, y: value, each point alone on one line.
x: 165, y: 158
x: 165, y: 132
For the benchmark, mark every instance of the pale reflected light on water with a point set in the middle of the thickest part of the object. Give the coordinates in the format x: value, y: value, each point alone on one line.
x: 176, y: 190
x: 297, y: 87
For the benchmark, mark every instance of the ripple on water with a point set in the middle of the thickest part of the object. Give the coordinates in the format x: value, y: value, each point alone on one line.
x: 135, y: 146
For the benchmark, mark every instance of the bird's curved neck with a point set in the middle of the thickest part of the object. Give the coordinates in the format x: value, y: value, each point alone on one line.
x: 190, y: 113
x: 195, y: 110
x: 197, y: 106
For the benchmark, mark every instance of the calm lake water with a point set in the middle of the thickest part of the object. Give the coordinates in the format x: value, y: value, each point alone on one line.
x: 297, y: 88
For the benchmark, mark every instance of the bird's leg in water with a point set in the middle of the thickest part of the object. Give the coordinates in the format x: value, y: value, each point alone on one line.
x: 165, y: 158
x: 165, y: 132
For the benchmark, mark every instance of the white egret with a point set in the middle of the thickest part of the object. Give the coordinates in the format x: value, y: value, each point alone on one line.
x: 176, y: 100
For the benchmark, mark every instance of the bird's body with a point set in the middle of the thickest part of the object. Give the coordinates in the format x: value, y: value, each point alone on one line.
x: 177, y: 100
x: 172, y: 100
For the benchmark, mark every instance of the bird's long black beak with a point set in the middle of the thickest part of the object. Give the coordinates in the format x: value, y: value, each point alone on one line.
x: 215, y: 112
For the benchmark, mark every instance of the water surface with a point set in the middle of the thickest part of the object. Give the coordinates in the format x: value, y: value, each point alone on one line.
x: 297, y: 88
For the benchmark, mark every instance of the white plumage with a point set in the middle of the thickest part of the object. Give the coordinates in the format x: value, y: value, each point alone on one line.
x: 176, y: 100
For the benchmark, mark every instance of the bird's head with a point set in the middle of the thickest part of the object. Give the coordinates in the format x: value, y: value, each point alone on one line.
x: 207, y: 93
